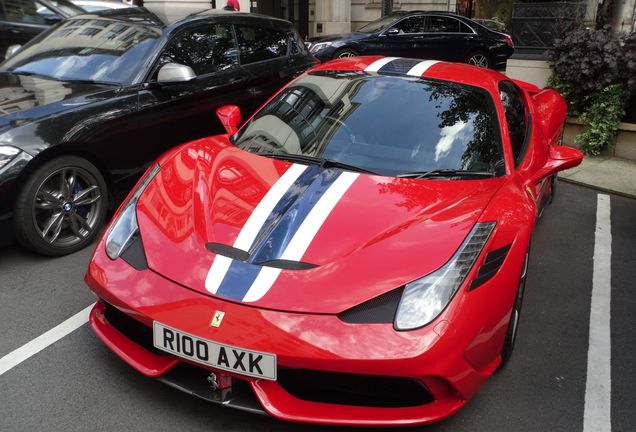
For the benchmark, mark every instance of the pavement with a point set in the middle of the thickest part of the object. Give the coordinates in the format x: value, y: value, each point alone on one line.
x: 77, y: 384
x: 604, y: 173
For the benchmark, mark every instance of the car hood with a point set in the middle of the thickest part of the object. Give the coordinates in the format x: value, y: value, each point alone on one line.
x: 352, y: 236
x: 25, y: 99
x: 339, y: 37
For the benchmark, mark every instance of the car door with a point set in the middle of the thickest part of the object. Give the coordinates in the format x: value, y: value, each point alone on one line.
x: 446, y: 38
x: 173, y: 113
x: 22, y: 20
x: 401, y: 39
x: 263, y: 53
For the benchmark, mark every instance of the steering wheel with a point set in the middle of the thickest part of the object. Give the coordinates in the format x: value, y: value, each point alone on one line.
x: 352, y: 136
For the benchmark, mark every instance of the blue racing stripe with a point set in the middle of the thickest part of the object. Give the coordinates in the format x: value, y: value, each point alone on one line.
x: 278, y: 229
x: 398, y: 66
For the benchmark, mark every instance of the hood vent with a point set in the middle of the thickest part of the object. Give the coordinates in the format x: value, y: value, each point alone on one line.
x: 241, y: 255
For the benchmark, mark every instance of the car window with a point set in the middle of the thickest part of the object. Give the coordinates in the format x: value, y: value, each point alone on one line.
x: 335, y: 115
x: 297, y: 46
x: 104, y: 50
x: 258, y: 43
x: 516, y: 118
x: 206, y: 49
x: 441, y: 24
x: 68, y: 8
x: 29, y: 12
x: 416, y: 24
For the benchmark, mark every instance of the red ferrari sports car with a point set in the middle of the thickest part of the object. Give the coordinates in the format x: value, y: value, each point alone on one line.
x: 354, y: 254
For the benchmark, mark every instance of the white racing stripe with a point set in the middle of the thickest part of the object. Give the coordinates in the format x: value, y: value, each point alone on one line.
x: 419, y: 69
x: 377, y: 65
x: 29, y: 349
x: 254, y: 223
x: 598, y: 386
x: 304, y: 236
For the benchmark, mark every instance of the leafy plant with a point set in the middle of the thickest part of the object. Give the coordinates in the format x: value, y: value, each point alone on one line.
x: 602, y: 117
x: 595, y: 71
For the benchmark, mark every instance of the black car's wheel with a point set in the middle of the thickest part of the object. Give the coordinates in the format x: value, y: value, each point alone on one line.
x: 479, y: 59
x: 61, y: 207
x: 345, y: 53
x: 513, y: 324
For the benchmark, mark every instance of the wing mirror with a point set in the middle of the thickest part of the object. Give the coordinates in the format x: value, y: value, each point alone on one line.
x: 230, y: 116
x: 392, y: 32
x: 559, y: 158
x: 551, y: 110
x: 175, y: 72
x: 12, y: 50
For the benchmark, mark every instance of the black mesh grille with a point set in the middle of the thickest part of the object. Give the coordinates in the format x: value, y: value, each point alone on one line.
x: 378, y: 310
x: 398, y: 66
x: 131, y: 328
x: 353, y: 389
x: 490, y: 267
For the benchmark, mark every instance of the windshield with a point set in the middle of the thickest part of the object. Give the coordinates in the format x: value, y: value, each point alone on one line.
x: 100, y: 50
x: 378, y: 25
x: 385, y: 124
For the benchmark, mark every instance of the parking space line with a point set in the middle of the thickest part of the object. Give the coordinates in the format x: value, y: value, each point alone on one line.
x: 33, y: 347
x: 598, y: 387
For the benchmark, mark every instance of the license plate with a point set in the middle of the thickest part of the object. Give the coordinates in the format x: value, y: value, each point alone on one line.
x: 220, y: 356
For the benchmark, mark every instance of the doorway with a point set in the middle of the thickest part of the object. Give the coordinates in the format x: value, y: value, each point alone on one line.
x: 296, y: 11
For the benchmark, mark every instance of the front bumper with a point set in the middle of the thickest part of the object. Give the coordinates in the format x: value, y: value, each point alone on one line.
x: 433, y: 356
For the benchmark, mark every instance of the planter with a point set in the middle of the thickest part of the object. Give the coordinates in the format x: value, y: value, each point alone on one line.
x: 625, y: 146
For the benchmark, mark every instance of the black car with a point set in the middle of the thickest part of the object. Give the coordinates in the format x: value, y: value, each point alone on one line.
x: 22, y: 20
x: 86, y: 107
x: 425, y: 35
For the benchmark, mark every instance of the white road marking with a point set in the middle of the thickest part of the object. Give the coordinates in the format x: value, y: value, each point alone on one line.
x: 419, y: 69
x: 598, y: 387
x: 33, y: 347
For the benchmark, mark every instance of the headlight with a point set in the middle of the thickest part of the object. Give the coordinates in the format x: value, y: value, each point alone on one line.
x: 424, y: 299
x: 7, y: 153
x: 319, y: 46
x: 125, y: 228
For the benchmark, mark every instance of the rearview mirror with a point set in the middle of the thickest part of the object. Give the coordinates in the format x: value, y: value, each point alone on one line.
x: 392, y: 32
x: 560, y: 158
x: 12, y: 50
x: 230, y: 116
x: 175, y: 72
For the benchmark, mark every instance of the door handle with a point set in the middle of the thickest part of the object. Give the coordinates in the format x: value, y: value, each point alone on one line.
x: 238, y: 79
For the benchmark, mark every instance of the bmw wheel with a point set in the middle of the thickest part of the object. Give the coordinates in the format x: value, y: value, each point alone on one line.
x: 61, y: 207
x: 479, y: 59
x: 345, y: 53
x: 513, y: 324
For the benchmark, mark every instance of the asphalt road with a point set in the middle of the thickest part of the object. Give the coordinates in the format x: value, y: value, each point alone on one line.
x: 77, y: 384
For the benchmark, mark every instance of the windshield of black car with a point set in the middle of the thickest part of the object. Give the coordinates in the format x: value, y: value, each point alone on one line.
x: 98, y: 49
x: 386, y: 124
x: 377, y: 24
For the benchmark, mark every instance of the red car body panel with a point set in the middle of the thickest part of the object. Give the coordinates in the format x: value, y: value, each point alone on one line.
x: 383, y: 233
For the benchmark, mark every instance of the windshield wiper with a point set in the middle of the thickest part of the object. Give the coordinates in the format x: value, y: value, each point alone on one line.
x: 313, y: 160
x: 445, y: 172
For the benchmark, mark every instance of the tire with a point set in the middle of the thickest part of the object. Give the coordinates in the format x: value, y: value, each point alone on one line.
x: 479, y: 59
x: 345, y: 53
x: 513, y: 323
x: 61, y: 207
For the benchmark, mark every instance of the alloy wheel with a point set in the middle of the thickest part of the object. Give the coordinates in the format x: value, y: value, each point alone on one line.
x: 67, y: 206
x: 479, y: 60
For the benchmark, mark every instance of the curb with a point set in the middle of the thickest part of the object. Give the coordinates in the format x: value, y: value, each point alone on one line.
x: 596, y: 187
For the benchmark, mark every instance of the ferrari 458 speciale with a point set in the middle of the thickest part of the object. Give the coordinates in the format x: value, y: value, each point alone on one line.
x: 354, y: 254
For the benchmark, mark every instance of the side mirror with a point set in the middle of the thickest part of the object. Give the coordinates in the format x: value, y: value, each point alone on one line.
x: 12, y: 50
x: 230, y: 116
x: 175, y: 72
x: 560, y: 158
x: 550, y: 110
x: 392, y: 32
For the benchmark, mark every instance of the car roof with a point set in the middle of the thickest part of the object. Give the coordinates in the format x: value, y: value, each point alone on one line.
x: 142, y: 16
x: 440, y: 70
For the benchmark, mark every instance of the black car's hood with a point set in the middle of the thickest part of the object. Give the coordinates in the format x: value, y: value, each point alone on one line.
x: 25, y: 99
x: 338, y: 37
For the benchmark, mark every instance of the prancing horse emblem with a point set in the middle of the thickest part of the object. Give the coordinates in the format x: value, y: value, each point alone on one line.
x: 217, y: 319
